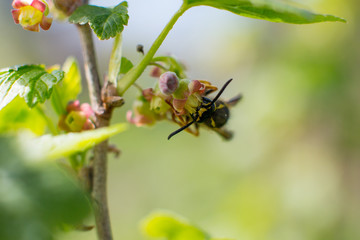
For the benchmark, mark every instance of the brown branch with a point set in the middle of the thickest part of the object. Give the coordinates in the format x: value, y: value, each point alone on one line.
x: 91, y: 72
x: 99, y: 185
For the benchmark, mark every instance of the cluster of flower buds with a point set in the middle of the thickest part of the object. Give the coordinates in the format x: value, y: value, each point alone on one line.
x: 77, y: 118
x: 31, y: 13
x: 171, y: 96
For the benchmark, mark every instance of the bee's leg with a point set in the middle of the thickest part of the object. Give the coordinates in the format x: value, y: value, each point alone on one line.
x: 234, y: 100
x: 224, y: 133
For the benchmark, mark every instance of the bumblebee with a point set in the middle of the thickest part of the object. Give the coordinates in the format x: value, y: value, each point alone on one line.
x: 214, y: 113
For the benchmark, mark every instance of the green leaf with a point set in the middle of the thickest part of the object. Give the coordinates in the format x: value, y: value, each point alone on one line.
x: 270, y: 10
x: 64, y: 145
x: 17, y: 115
x: 172, y: 227
x: 106, y: 22
x: 69, y: 88
x: 37, y: 199
x: 126, y: 65
x: 31, y: 82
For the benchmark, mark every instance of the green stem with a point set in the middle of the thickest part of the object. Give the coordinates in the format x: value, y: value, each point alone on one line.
x: 48, y: 121
x: 130, y: 77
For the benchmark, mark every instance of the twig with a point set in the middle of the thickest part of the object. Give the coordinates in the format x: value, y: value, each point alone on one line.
x: 99, y: 190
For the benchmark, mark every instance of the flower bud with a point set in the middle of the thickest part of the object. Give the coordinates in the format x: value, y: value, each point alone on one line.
x: 148, y: 94
x: 78, y: 117
x: 196, y: 86
x: 142, y: 113
x: 168, y: 83
x: 179, y: 105
x: 158, y: 105
x: 155, y: 72
x: 67, y: 7
x: 73, y: 106
x: 75, y: 121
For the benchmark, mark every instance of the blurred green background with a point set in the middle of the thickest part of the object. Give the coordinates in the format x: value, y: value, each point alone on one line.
x: 292, y: 170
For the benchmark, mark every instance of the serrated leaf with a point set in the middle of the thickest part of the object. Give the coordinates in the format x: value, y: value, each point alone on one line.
x: 53, y: 147
x: 106, y: 22
x: 270, y: 10
x: 31, y: 82
x: 69, y: 88
x: 17, y: 115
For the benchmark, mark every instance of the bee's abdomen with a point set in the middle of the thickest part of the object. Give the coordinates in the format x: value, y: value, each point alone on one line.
x: 219, y: 116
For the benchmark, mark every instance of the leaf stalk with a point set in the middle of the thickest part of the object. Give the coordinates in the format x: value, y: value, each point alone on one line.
x: 130, y: 77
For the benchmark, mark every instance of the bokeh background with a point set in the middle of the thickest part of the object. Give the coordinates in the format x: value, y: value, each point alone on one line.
x: 292, y: 171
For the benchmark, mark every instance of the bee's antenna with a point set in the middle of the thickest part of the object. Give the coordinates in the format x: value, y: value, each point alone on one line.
x: 180, y: 129
x: 220, y: 92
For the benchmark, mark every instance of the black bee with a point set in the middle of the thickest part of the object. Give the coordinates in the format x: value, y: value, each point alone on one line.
x: 213, y: 113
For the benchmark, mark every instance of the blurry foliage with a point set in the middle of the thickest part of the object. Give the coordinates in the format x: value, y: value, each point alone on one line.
x: 17, y: 115
x: 37, y: 199
x: 166, y: 225
x: 291, y: 172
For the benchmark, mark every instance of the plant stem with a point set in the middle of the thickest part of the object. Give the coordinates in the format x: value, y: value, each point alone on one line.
x: 130, y: 77
x: 91, y: 72
x: 99, y: 190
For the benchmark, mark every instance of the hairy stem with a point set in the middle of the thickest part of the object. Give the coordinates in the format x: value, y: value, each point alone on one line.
x: 130, y: 77
x: 99, y: 190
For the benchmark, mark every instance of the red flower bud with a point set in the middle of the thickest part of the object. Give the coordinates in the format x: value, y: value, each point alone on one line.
x: 78, y: 117
x: 155, y: 72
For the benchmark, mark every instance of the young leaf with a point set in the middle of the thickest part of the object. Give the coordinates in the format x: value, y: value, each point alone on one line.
x: 270, y: 10
x: 36, y: 199
x: 17, y: 115
x: 126, y: 65
x: 31, y: 82
x: 69, y: 88
x: 172, y: 227
x: 53, y: 147
x: 106, y: 22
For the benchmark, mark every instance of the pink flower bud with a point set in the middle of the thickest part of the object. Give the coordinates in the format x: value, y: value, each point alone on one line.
x: 148, y: 94
x: 179, y: 105
x: 155, y: 72
x: 73, y: 106
x: 88, y: 125
x: 78, y: 117
x: 138, y: 120
x: 87, y: 110
x: 168, y: 83
x: 196, y: 86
